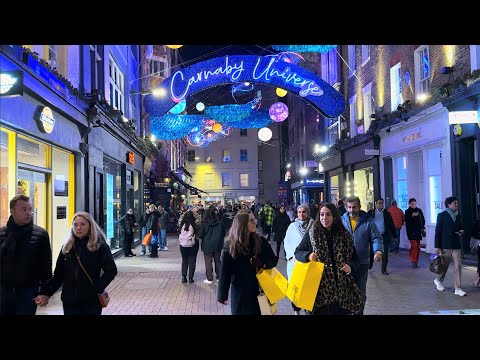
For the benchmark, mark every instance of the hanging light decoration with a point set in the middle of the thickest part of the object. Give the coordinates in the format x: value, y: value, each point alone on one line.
x: 170, y: 126
x: 200, y: 106
x: 217, y: 128
x: 278, y: 112
x: 305, y: 48
x: 280, y: 92
x: 177, y: 109
x: 174, y: 46
x: 265, y: 134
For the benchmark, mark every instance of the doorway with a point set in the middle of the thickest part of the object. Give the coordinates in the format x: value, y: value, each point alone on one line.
x: 34, y: 185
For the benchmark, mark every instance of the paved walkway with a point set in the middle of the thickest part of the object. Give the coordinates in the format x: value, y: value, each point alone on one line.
x: 147, y: 286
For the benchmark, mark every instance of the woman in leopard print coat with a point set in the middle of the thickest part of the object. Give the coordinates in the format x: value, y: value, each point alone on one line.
x: 329, y: 242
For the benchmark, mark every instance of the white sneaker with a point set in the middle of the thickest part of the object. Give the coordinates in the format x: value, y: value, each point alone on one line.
x: 165, y: 248
x: 297, y: 312
x: 439, y: 285
x: 460, y: 292
x: 206, y: 281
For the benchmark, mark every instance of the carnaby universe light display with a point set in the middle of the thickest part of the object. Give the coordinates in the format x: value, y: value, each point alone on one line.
x: 270, y: 70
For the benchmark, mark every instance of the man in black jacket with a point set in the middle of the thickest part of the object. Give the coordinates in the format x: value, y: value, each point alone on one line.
x: 25, y: 259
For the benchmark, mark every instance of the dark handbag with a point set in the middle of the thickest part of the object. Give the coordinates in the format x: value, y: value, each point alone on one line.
x: 424, y: 233
x: 103, y: 298
x: 437, y: 264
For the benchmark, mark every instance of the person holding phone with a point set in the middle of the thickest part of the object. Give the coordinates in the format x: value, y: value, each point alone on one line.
x: 448, y: 233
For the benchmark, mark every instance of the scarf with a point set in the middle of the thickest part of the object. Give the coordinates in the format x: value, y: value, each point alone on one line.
x: 302, y: 226
x: 452, y: 214
x: 14, y: 232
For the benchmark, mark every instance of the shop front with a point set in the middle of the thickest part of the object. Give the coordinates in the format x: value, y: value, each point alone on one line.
x: 309, y: 191
x: 416, y: 163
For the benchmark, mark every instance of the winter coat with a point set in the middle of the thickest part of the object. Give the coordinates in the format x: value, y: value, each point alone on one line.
x: 163, y: 220
x: 152, y: 222
x: 445, y: 231
x: 127, y: 222
x: 212, y: 235
x: 292, y: 239
x: 240, y: 274
x: 227, y: 220
x: 280, y: 226
x: 366, y: 234
x: 389, y: 226
x: 25, y: 255
x: 77, y: 288
x: 414, y: 224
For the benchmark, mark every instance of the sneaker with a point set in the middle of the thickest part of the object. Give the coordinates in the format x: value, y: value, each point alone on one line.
x: 460, y: 292
x: 165, y: 248
x: 206, y: 281
x: 440, y: 286
x: 297, y: 312
x: 142, y: 254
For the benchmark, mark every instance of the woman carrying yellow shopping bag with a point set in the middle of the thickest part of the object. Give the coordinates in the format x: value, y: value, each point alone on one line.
x: 329, y: 242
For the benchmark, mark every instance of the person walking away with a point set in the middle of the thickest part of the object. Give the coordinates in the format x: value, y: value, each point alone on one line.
x: 244, y: 253
x: 415, y: 225
x: 25, y: 259
x: 293, y: 237
x: 128, y: 222
x: 448, y: 232
x: 281, y: 221
x: 266, y: 213
x: 189, y: 254
x: 163, y: 220
x: 365, y: 234
x: 398, y: 220
x: 329, y: 242
x: 384, y: 222
x: 227, y: 217
x: 212, y: 234
x: 83, y: 259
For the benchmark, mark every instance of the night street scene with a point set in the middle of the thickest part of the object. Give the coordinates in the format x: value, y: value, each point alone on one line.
x: 239, y: 180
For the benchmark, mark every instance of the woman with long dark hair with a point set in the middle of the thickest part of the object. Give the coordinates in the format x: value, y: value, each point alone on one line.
x: 189, y: 254
x: 329, y: 242
x: 415, y: 226
x: 244, y: 253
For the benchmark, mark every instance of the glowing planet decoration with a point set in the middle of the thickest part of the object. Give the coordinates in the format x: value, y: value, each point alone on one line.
x: 217, y: 128
x: 174, y: 46
x: 280, y: 92
x: 177, y: 109
x: 264, y: 134
x: 278, y: 112
x: 200, y: 106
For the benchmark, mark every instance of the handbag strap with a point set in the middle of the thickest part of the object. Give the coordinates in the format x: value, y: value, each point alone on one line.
x: 85, y: 271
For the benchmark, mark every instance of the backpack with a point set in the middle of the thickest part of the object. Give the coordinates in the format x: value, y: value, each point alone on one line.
x: 187, y: 238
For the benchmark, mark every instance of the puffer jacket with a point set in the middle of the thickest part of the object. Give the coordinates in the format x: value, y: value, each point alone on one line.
x: 212, y: 235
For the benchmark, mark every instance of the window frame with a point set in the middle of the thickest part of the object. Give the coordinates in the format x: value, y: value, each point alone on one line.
x: 116, y: 80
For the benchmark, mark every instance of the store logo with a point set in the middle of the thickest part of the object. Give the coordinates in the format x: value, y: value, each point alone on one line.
x: 412, y: 137
x: 46, y: 120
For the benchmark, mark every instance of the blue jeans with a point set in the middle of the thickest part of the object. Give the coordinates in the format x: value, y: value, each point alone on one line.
x: 163, y: 239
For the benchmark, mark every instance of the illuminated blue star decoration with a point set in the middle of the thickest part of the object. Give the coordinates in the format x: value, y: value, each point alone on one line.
x: 171, y: 127
x: 203, y: 135
x: 305, y: 48
x: 242, y: 87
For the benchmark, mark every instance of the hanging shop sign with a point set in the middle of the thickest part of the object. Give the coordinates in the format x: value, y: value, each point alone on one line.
x: 463, y: 117
x: 268, y: 70
x: 45, y: 119
x: 11, y: 83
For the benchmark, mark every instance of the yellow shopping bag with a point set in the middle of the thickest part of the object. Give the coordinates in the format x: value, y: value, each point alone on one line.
x: 273, y: 283
x: 304, y: 282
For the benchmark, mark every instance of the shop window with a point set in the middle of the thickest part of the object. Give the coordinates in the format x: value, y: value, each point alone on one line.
x: 31, y: 152
x: 402, y: 187
x: 435, y: 184
x: 112, y: 201
x: 5, y: 174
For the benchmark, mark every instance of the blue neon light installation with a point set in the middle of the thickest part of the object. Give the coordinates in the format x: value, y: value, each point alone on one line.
x: 305, y: 48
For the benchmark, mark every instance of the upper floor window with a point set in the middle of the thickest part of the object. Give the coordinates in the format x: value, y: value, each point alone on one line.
x: 260, y: 165
x: 351, y: 60
x: 330, y: 66
x: 226, y: 179
x: 52, y: 55
x: 243, y: 132
x: 396, y: 97
x: 243, y: 155
x: 243, y: 180
x: 226, y: 155
x: 365, y: 54
x: 208, y: 180
x: 116, y: 86
x: 474, y: 57
x: 158, y: 67
x: 191, y: 155
x: 332, y: 132
x: 96, y: 66
x: 353, y: 116
x: 422, y: 71
x: 367, y: 106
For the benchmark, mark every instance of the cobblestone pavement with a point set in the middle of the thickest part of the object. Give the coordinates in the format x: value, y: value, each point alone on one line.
x: 146, y: 286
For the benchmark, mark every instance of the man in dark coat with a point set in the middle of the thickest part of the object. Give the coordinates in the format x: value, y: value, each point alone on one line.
x: 447, y: 242
x: 25, y: 259
x: 128, y: 222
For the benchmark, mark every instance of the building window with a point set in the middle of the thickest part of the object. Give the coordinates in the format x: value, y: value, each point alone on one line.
x: 158, y: 67
x: 226, y: 155
x: 474, y: 57
x: 116, y: 87
x: 260, y: 188
x: 191, y: 155
x: 243, y: 155
x: 332, y: 133
x: 52, y: 56
x: 435, y: 183
x: 353, y: 116
x: 396, y: 97
x: 208, y: 180
x: 330, y: 66
x: 365, y: 54
x: 243, y: 180
x: 226, y: 179
x: 260, y: 165
x: 422, y: 71
x: 243, y: 132
x: 402, y: 186
x: 367, y: 106
x: 96, y: 64
x: 351, y: 60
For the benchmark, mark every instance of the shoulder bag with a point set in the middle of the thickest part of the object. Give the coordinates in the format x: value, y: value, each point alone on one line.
x: 103, y: 298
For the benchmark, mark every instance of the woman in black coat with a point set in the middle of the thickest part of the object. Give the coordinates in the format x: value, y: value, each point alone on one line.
x: 415, y: 225
x: 86, y: 246
x: 244, y: 253
x: 281, y: 221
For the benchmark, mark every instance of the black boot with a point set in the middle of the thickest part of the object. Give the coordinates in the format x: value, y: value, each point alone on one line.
x: 184, y: 279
